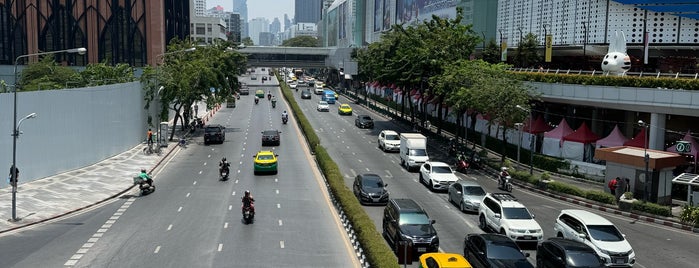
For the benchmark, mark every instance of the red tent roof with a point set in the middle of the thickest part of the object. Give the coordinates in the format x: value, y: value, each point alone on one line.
x: 582, y: 135
x: 560, y: 131
x: 638, y: 141
x: 615, y: 138
x: 540, y: 126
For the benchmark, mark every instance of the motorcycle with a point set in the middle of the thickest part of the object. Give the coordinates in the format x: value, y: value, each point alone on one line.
x: 475, y: 161
x: 285, y: 119
x: 269, y: 96
x: 257, y: 100
x: 224, y: 171
x: 274, y: 104
x: 504, y: 183
x: 200, y: 122
x: 452, y: 147
x: 248, y: 214
x: 145, y: 187
x: 461, y: 164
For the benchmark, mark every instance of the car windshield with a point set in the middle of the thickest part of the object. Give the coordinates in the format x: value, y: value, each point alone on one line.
x: 504, y: 251
x: 345, y: 106
x: 392, y: 137
x: 582, y: 259
x: 270, y: 133
x: 265, y: 157
x: 413, y: 218
x: 474, y: 190
x: 516, y: 214
x: 441, y: 169
x: 605, y: 233
x: 212, y: 129
x: 418, y: 152
x: 322, y: 103
x: 372, y: 182
x: 366, y: 118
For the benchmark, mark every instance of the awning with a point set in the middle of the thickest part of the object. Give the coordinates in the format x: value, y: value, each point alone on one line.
x: 687, y: 179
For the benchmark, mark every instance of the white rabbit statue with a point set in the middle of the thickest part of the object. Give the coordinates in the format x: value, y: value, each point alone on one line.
x: 616, y: 61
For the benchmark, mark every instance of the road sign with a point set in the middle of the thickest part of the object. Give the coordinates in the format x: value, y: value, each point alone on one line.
x: 683, y: 147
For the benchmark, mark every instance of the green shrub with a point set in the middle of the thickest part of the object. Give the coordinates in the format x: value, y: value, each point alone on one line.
x: 690, y: 215
x: 652, y: 208
x: 524, y: 176
x: 559, y: 187
x: 600, y: 196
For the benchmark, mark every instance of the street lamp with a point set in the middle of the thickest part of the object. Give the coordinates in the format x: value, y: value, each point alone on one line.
x: 532, y: 139
x: 519, y: 143
x: 15, y: 124
x: 646, y: 159
x: 584, y: 23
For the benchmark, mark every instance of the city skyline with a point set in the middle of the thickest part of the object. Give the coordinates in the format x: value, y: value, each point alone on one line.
x: 268, y: 9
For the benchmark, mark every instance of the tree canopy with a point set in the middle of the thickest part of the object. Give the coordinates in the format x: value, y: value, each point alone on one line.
x: 301, y: 41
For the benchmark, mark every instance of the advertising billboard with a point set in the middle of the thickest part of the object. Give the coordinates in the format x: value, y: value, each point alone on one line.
x: 408, y: 11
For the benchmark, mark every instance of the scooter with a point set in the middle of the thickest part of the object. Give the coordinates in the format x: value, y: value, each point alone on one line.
x: 257, y: 100
x: 274, y: 104
x: 474, y: 161
x: 269, y: 96
x: 461, y: 164
x: 224, y: 172
x: 284, y: 119
x: 248, y: 214
x: 144, y: 186
x: 505, y: 184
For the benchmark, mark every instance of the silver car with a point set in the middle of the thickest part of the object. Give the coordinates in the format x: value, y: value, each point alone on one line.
x: 466, y: 194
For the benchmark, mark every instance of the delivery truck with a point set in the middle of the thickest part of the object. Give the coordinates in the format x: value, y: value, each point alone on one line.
x: 413, y: 150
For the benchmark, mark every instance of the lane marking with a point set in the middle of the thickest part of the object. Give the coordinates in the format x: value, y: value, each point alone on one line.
x: 388, y: 174
x: 279, y: 206
x: 179, y: 209
x: 367, y: 169
x: 230, y: 207
x: 220, y: 247
x: 188, y: 194
x: 157, y: 249
x: 280, y: 222
x: 277, y: 190
x: 194, y: 183
x: 225, y: 225
x: 281, y: 244
x: 360, y: 160
x: 169, y: 227
x: 82, y: 251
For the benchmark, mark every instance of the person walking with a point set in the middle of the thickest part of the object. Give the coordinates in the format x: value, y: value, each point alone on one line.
x: 149, y: 136
x: 612, y: 185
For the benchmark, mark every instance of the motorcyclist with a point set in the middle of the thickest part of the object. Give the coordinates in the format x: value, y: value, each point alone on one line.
x: 503, y: 174
x: 248, y: 201
x: 274, y: 101
x: 285, y: 116
x: 269, y: 95
x: 145, y: 177
x: 257, y: 99
x: 223, y: 164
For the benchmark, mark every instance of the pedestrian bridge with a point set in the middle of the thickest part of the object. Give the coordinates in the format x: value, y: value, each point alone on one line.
x: 301, y: 57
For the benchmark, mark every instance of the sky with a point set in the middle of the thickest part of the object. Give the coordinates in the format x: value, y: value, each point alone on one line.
x: 268, y: 9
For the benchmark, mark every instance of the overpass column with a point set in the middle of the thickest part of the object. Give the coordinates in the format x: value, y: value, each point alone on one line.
x: 656, y: 136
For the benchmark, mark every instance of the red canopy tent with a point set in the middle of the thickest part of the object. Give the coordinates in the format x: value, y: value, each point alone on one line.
x: 539, y: 126
x: 638, y: 141
x: 582, y: 135
x: 575, y: 145
x: 615, y: 138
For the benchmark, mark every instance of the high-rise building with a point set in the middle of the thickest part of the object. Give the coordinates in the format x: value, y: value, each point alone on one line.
x: 199, y: 8
x: 266, y: 39
x: 257, y: 26
x: 275, y: 26
x: 287, y: 22
x: 241, y: 7
x: 231, y: 19
x: 307, y: 11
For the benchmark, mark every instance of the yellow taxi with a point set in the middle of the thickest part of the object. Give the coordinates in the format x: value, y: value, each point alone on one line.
x: 265, y: 161
x: 344, y: 109
x: 443, y: 260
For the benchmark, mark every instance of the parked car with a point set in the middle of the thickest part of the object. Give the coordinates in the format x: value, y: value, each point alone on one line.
x: 364, y: 121
x: 214, y: 133
x: 323, y: 106
x: 466, y: 194
x: 437, y: 175
x: 494, y: 251
x: 271, y: 137
x: 265, y: 161
x: 389, y: 140
x: 370, y: 189
x: 306, y: 94
x: 557, y: 252
x: 403, y: 220
x: 598, y: 233
x: 502, y: 213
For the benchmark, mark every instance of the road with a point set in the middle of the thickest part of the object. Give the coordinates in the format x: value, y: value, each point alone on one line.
x: 194, y: 220
x: 355, y: 151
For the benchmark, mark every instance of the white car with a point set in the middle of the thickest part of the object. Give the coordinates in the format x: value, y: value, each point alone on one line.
x: 318, y: 88
x: 389, y: 140
x: 437, y: 175
x: 323, y: 106
x: 598, y: 233
x: 293, y: 85
x: 502, y: 213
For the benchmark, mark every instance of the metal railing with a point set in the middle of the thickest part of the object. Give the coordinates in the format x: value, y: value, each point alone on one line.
x: 602, y: 73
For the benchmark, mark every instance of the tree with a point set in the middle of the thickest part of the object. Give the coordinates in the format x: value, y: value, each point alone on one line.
x: 102, y: 73
x: 247, y: 41
x: 47, y: 74
x: 492, y: 53
x: 527, y: 52
x: 301, y: 41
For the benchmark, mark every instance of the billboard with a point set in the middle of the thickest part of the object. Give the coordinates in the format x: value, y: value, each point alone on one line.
x: 413, y: 10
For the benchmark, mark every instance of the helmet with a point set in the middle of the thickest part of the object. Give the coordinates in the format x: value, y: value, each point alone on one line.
x: 143, y: 170
x: 224, y: 159
x: 503, y: 168
x: 247, y: 192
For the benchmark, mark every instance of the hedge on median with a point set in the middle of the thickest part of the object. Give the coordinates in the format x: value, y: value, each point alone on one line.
x: 377, y: 251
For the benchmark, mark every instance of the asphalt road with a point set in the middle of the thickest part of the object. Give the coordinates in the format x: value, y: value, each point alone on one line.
x: 355, y: 150
x: 194, y: 220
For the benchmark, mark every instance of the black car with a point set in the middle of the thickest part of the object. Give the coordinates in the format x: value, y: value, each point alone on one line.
x: 214, y: 133
x: 264, y: 78
x: 271, y: 137
x: 370, y: 189
x: 559, y: 252
x: 494, y: 250
x: 306, y: 94
x: 364, y: 121
x: 404, y: 219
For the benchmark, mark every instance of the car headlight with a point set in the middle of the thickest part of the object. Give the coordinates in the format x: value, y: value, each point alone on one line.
x: 629, y: 252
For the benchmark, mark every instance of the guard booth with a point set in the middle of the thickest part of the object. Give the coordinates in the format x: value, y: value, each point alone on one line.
x: 692, y: 182
x: 163, y: 134
x: 630, y: 162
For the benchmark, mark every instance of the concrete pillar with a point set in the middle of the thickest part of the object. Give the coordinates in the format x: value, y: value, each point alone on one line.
x: 656, y: 136
x: 594, y: 125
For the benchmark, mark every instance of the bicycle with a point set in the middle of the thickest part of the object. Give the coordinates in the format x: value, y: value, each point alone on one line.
x: 151, y: 148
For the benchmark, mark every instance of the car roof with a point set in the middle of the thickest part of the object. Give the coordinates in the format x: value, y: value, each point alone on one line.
x: 364, y: 116
x: 468, y: 183
x: 438, y: 164
x: 370, y: 175
x: 265, y: 152
x: 586, y: 217
x: 213, y: 125
x: 491, y: 237
x: 389, y: 132
x: 405, y: 205
x: 344, y: 104
x: 446, y: 260
x: 568, y: 244
x: 322, y: 102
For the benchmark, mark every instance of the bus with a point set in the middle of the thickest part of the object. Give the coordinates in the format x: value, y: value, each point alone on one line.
x: 298, y: 73
x: 329, y: 96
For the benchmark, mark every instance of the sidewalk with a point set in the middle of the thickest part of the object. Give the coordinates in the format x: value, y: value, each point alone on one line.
x: 441, y: 142
x: 61, y: 194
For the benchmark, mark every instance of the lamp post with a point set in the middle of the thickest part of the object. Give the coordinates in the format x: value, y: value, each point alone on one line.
x: 519, y: 143
x: 546, y: 32
x: 15, y: 124
x: 500, y: 30
x: 157, y: 94
x: 584, y: 23
x: 646, y: 160
x: 532, y: 140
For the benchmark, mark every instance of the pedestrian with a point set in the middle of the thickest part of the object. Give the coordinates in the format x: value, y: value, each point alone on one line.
x: 149, y: 134
x: 612, y: 185
x: 627, y: 185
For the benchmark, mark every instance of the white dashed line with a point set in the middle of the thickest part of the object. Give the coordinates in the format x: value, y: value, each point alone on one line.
x: 279, y: 206
x: 230, y: 207
x: 277, y: 190
x: 225, y: 225
x: 169, y: 227
x: 360, y: 160
x: 157, y: 249
x: 188, y: 194
x: 281, y: 244
x: 179, y: 209
x: 82, y: 251
x: 220, y: 247
x: 280, y: 222
x: 233, y: 193
x: 194, y: 183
